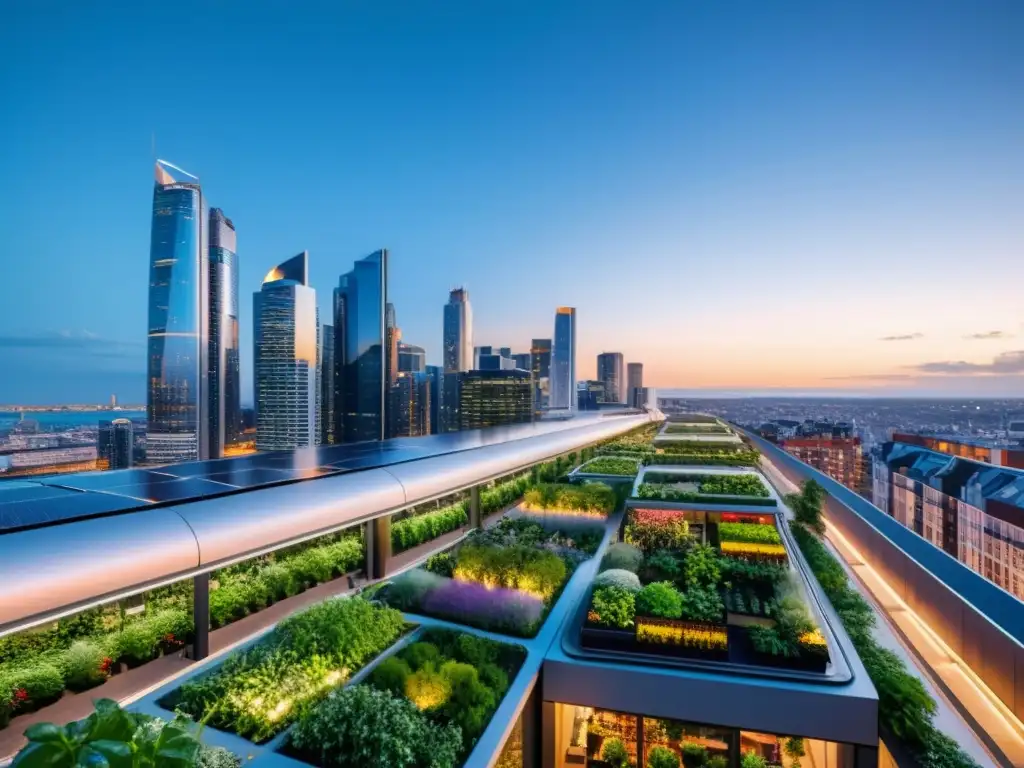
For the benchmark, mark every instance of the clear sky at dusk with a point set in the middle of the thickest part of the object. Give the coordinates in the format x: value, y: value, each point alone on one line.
x: 741, y: 195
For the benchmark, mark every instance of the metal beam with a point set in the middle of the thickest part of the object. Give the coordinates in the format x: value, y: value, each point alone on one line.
x: 474, y: 507
x: 201, y: 616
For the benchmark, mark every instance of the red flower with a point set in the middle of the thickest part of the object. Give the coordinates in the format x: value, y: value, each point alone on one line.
x: 20, y: 697
x: 105, y: 664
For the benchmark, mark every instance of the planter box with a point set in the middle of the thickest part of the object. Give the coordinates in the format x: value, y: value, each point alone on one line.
x: 681, y: 650
x: 748, y: 620
x: 815, y: 664
x: 623, y: 640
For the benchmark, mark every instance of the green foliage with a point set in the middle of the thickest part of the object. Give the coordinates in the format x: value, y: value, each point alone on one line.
x: 753, y: 760
x: 697, y: 429
x: 390, y: 675
x: 591, y: 498
x: 662, y: 757
x: 808, y: 506
x: 409, y: 589
x: 527, y: 568
x: 653, y: 529
x: 618, y: 577
x: 661, y: 565
x: 217, y: 757
x: 658, y: 492
x: 84, y: 665
x: 705, y: 458
x: 694, y: 755
x: 702, y: 604
x: 718, y: 761
x: 749, y: 532
x: 360, y: 726
x: 747, y: 573
x: 29, y: 686
x: 622, y: 556
x: 259, y: 691
x: 612, y: 465
x: 612, y: 607
x: 701, y: 567
x: 413, y: 531
x: 614, y: 753
x: 442, y: 564
x: 471, y: 703
x: 659, y: 599
x: 420, y: 654
x: 904, y: 706
x: 110, y: 738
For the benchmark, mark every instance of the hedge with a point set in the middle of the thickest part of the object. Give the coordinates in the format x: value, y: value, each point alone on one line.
x: 904, y: 706
x: 654, y: 492
x: 413, y: 531
x: 735, y: 459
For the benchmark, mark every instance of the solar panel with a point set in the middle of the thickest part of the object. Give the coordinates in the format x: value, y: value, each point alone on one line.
x: 61, y: 509
x: 250, y: 478
x: 14, y: 492
x: 101, y: 481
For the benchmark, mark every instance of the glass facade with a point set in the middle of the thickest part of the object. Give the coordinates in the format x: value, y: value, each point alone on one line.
x: 285, y: 335
x: 115, y: 444
x: 540, y: 363
x: 360, y: 302
x: 610, y: 372
x: 495, y: 398
x: 634, y: 382
x: 563, y: 360
x: 410, y: 405
x: 177, y: 400
x: 411, y: 359
x: 458, y: 332
x: 325, y: 416
x: 225, y: 422
x: 436, y: 375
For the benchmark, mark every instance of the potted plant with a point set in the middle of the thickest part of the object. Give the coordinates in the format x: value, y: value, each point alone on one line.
x: 610, y: 616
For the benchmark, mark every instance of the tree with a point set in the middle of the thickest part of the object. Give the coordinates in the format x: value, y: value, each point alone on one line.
x: 808, y: 506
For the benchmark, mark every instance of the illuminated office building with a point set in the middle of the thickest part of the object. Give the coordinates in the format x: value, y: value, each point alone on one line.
x: 285, y: 357
x: 563, y: 360
x: 494, y: 398
x: 225, y: 404
x: 610, y: 372
x: 522, y: 361
x: 177, y: 392
x: 115, y: 444
x: 411, y: 359
x: 458, y: 332
x: 410, y: 405
x: 540, y: 362
x: 436, y: 375
x: 325, y: 417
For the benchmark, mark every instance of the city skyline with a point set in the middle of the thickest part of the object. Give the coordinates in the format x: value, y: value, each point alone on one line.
x: 862, y: 161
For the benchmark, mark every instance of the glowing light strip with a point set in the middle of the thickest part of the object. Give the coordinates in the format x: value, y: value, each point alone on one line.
x: 179, y: 170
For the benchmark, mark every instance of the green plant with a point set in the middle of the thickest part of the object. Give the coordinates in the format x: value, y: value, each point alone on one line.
x: 527, y: 568
x: 390, y: 675
x: 702, y: 604
x: 419, y: 654
x: 654, y: 529
x: 217, y: 757
x: 442, y: 564
x: 701, y: 567
x: 112, y: 737
x: 662, y: 757
x: 470, y: 703
x: 362, y: 726
x: 428, y: 688
x: 622, y: 556
x: 694, y: 755
x: 718, y: 761
x: 659, y: 599
x: 412, y: 531
x: 29, y: 686
x: 612, y: 607
x: 409, y: 589
x: 794, y: 749
x: 84, y: 665
x: 616, y: 577
x: 612, y: 465
x: 590, y: 498
x: 752, y: 532
x: 808, y: 506
x: 661, y: 565
x: 614, y: 753
x: 753, y: 760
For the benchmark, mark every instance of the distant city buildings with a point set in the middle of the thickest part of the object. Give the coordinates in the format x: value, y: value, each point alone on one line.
x: 410, y: 405
x: 540, y: 361
x: 436, y: 376
x: 828, y: 446
x: 327, y: 418
x: 115, y: 445
x: 493, y: 398
x: 411, y: 359
x: 563, y: 361
x: 635, y: 382
x: 611, y: 373
x: 285, y: 355
x: 225, y: 385
x: 522, y: 361
x: 590, y: 394
x: 458, y: 332
x: 361, y: 355
x: 177, y: 404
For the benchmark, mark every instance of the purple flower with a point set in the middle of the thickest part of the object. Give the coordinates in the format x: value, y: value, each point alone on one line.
x: 476, y: 605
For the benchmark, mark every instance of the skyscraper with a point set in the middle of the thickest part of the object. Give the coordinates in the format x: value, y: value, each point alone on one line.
x: 540, y: 360
x: 435, y: 374
x: 411, y: 359
x: 458, y: 332
x: 634, y: 381
x: 610, y: 372
x: 116, y: 444
x: 410, y: 405
x: 225, y: 424
x: 392, y: 338
x: 177, y: 397
x: 522, y: 361
x: 563, y: 360
x: 494, y: 398
x: 360, y: 354
x: 285, y: 341
x: 326, y: 417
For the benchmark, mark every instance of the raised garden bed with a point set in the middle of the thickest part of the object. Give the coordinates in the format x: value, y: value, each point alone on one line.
x: 595, y: 500
x: 611, y: 465
x: 426, y: 705
x: 697, y: 429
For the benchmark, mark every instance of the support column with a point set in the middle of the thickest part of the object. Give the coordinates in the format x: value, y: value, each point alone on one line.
x: 474, y: 507
x: 377, y: 541
x: 201, y: 616
x: 530, y: 720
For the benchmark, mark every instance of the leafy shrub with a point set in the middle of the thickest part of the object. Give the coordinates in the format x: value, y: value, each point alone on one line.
x: 591, y: 498
x: 654, y: 529
x: 217, y: 757
x: 622, y: 556
x: 753, y: 760
x: 29, y: 686
x: 390, y: 675
x: 525, y: 568
x: 702, y: 604
x: 427, y: 688
x: 612, y: 607
x: 718, y: 761
x: 361, y: 726
x: 280, y: 581
x: 746, y: 573
x: 611, y: 465
x: 662, y: 757
x: 84, y: 665
x: 413, y: 531
x: 442, y: 564
x: 659, y: 599
x: 694, y: 755
x: 419, y: 654
x: 471, y: 703
x: 661, y: 565
x: 701, y: 567
x: 614, y: 753
x: 658, y: 492
x: 749, y: 532
x: 408, y: 591
x: 705, y: 458
x: 617, y: 577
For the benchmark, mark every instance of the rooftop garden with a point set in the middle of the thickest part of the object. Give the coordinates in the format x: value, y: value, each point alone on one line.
x: 504, y: 578
x: 739, y: 488
x: 639, y: 438
x: 424, y: 706
x: 258, y: 692
x: 697, y: 429
x: 693, y: 418
x: 905, y: 708
x: 588, y: 500
x: 661, y: 591
x: 85, y: 650
x: 612, y: 465
x: 111, y: 736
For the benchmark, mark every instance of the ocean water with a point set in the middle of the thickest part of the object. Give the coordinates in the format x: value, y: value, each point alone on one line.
x: 50, y: 421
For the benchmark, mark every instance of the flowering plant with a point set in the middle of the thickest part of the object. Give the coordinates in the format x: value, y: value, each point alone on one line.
x: 496, y: 608
x: 652, y: 529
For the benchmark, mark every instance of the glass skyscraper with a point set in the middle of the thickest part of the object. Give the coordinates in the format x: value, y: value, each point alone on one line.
x: 540, y: 361
x: 225, y: 404
x: 563, y: 360
x: 634, y: 383
x: 115, y: 444
x: 326, y: 414
x: 611, y: 373
x: 177, y: 397
x: 458, y: 332
x: 360, y: 354
x: 285, y: 357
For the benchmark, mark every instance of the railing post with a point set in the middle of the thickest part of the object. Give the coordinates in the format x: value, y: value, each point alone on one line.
x: 474, y: 507
x: 201, y: 616
x: 377, y: 540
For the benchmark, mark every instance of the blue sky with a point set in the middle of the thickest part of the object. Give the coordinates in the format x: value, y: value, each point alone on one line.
x: 741, y: 195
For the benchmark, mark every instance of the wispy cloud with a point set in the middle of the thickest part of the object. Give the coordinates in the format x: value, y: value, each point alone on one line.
x: 1007, y: 362
x: 903, y: 337
x: 79, y: 341
x: 880, y: 377
x: 988, y: 335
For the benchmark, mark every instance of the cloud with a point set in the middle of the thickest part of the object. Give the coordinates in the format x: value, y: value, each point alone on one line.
x: 1005, y: 363
x: 988, y: 335
x: 73, y: 341
x: 873, y: 377
x: 903, y: 337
